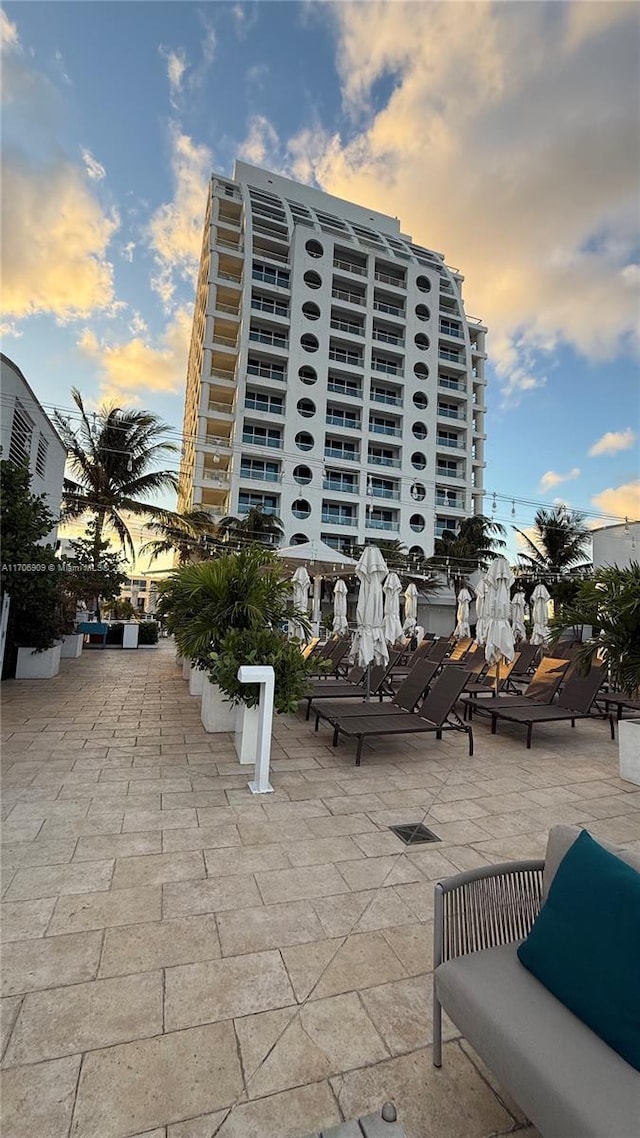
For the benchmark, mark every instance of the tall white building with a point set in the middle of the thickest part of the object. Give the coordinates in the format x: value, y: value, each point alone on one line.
x: 334, y: 378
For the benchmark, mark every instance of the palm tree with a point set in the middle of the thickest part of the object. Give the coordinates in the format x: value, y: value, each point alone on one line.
x: 112, y: 460
x: 192, y: 535
x: 559, y: 543
x: 475, y: 543
x: 256, y: 526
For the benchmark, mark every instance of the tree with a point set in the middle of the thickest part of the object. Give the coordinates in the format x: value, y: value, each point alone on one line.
x: 256, y: 526
x: 610, y: 603
x: 113, y: 461
x: 559, y: 543
x: 30, y: 571
x: 84, y: 581
x: 475, y: 543
x: 192, y: 535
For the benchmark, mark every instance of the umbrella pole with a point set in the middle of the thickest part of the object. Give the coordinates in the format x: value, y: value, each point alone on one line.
x: 497, y: 679
x: 368, y: 686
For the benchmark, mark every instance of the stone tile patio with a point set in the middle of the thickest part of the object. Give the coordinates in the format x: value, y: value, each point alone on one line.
x: 183, y: 960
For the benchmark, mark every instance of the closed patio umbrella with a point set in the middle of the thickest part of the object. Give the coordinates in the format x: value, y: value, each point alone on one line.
x: 517, y: 616
x: 340, y: 624
x: 499, y: 642
x: 540, y: 598
x: 410, y: 608
x: 301, y: 581
x: 462, y: 615
x: 392, y: 588
x: 369, y: 644
x: 482, y: 624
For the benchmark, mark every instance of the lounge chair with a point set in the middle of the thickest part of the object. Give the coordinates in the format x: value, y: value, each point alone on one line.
x: 620, y: 702
x: 575, y: 702
x: 353, y: 686
x: 406, y: 698
x: 494, y: 678
x: 529, y: 655
x: 460, y: 648
x: 541, y: 689
x: 473, y: 659
x: 334, y: 658
x: 436, y: 715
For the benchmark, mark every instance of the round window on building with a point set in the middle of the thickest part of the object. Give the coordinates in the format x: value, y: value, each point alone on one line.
x: 416, y: 521
x: 424, y: 284
x: 308, y: 375
x: 421, y: 341
x: 309, y: 342
x: 422, y: 312
x: 418, y: 492
x: 299, y: 539
x: 420, y: 401
x: 307, y: 408
x: 304, y: 441
x: 311, y: 310
x: 301, y: 508
x: 312, y: 279
x: 419, y: 430
x: 418, y: 460
x: 302, y: 475
x: 314, y: 248
x: 421, y: 371
x: 416, y: 551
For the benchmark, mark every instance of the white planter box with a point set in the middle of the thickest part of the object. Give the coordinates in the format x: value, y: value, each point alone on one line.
x: 216, y: 713
x: 179, y: 661
x: 186, y: 668
x: 629, y: 747
x: 196, y: 681
x: 38, y: 665
x: 246, y: 736
x: 130, y: 634
x: 71, y: 646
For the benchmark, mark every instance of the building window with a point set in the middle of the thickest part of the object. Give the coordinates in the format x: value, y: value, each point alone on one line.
x: 259, y: 469
x: 41, y: 456
x: 247, y: 500
x: 262, y: 436
x: 21, y: 434
x: 301, y: 508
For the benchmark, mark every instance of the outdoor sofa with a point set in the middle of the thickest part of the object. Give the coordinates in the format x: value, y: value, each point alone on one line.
x: 569, y: 1082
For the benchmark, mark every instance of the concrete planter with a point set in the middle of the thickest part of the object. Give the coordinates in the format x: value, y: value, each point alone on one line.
x: 196, y: 681
x: 246, y: 736
x: 130, y: 633
x: 629, y: 750
x: 71, y: 646
x: 34, y: 665
x: 216, y: 713
x: 179, y: 661
x: 186, y: 668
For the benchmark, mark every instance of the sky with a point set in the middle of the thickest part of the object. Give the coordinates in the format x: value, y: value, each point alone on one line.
x: 506, y: 136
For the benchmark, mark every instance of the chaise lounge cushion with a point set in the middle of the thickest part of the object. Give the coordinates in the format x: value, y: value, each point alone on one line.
x: 585, y: 944
x: 553, y: 1064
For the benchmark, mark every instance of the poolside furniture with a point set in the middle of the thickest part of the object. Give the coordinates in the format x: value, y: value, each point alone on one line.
x: 567, y: 1080
x: 529, y: 654
x: 334, y: 657
x: 436, y: 715
x: 542, y: 688
x: 494, y: 678
x: 353, y: 686
x: 94, y: 628
x: 575, y: 702
x: 620, y: 701
x: 406, y: 698
x: 460, y: 648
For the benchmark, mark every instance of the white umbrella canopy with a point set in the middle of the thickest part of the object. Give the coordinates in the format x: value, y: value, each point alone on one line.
x: 482, y: 624
x: 369, y: 644
x: 392, y: 588
x: 340, y: 625
x: 540, y: 598
x: 410, y: 608
x: 499, y: 642
x: 318, y: 558
x: 462, y: 615
x: 517, y: 616
x: 301, y: 581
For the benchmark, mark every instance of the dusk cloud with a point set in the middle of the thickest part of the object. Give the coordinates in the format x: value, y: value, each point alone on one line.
x: 551, y: 479
x: 612, y: 442
x: 133, y: 368
x: 620, y: 501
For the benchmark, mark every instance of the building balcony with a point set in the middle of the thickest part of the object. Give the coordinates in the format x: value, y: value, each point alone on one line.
x: 352, y: 359
x: 386, y: 367
x: 347, y: 326
x: 338, y: 487
x: 449, y: 502
x: 349, y: 267
x: 348, y: 297
x: 450, y: 444
x: 449, y: 384
x: 338, y: 519
x: 344, y: 424
x: 450, y: 475
x: 215, y: 409
x: 445, y: 413
x: 343, y: 456
x: 382, y: 460
x: 455, y: 358
x: 379, y: 523
x: 269, y: 339
x: 389, y: 309
x: 266, y: 371
x: 388, y: 338
x: 259, y: 476
x: 379, y: 429
x: 347, y: 392
x: 275, y: 308
x: 388, y: 279
x: 447, y: 329
x: 381, y: 492
x: 249, y: 439
x: 258, y: 407
x: 388, y: 400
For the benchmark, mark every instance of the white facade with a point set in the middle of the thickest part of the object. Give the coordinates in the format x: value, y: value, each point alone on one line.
x: 25, y: 431
x: 333, y: 378
x: 616, y: 545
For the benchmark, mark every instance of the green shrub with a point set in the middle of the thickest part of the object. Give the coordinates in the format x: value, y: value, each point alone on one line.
x: 115, y: 633
x: 148, y: 632
x: 261, y: 647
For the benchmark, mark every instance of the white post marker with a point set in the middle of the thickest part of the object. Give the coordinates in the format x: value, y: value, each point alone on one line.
x: 265, y: 677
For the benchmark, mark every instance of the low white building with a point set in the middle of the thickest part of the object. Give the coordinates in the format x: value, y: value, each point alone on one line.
x: 616, y: 545
x: 27, y: 432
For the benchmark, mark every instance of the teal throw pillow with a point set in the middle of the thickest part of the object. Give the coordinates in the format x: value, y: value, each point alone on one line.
x: 585, y: 944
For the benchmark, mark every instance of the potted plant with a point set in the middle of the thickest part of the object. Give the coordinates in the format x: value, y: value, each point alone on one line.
x: 610, y: 603
x: 242, y: 592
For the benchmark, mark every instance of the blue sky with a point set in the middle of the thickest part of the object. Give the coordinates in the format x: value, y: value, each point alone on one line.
x: 504, y: 136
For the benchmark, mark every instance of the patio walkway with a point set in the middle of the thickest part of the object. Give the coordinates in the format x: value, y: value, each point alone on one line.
x: 182, y: 960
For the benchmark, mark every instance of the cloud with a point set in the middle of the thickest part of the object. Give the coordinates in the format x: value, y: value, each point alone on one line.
x: 8, y: 33
x: 128, y: 251
x: 262, y: 144
x: 175, y: 229
x: 620, y: 501
x: 551, y: 479
x: 137, y: 324
x: 176, y: 66
x: 95, y: 169
x: 612, y: 442
x: 9, y: 328
x: 508, y: 141
x: 134, y: 365
x: 55, y: 239
x: 245, y: 17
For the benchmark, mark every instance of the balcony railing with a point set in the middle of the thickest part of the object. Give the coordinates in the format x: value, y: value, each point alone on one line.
x: 382, y: 492
x: 454, y: 444
x: 382, y: 460
x: 220, y: 477
x: 445, y: 413
x: 233, y: 277
x: 346, y: 357
x: 449, y: 354
x: 266, y: 372
x: 269, y: 254
x: 450, y: 503
x: 391, y: 309
x: 350, y: 297
x: 385, y: 366
x: 236, y: 246
x: 225, y: 341
x: 339, y: 519
x: 345, y: 326
x: 261, y: 441
x: 338, y: 263
x: 450, y: 329
x: 260, y: 305
x: 339, y: 487
x: 222, y: 373
x: 341, y: 421
x: 336, y: 452
x: 260, y: 476
x: 450, y: 384
x: 230, y: 308
x: 350, y: 392
x: 378, y: 523
x: 383, y: 429
x: 443, y: 472
x: 264, y: 407
x: 386, y: 278
x: 389, y: 400
x: 388, y: 338
x: 244, y: 507
x: 220, y: 408
x: 273, y: 339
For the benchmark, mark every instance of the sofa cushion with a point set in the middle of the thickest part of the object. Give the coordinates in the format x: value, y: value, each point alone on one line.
x: 561, y: 838
x: 566, y: 1080
x: 585, y: 943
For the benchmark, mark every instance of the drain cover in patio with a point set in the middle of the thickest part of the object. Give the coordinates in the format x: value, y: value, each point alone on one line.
x: 413, y: 833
